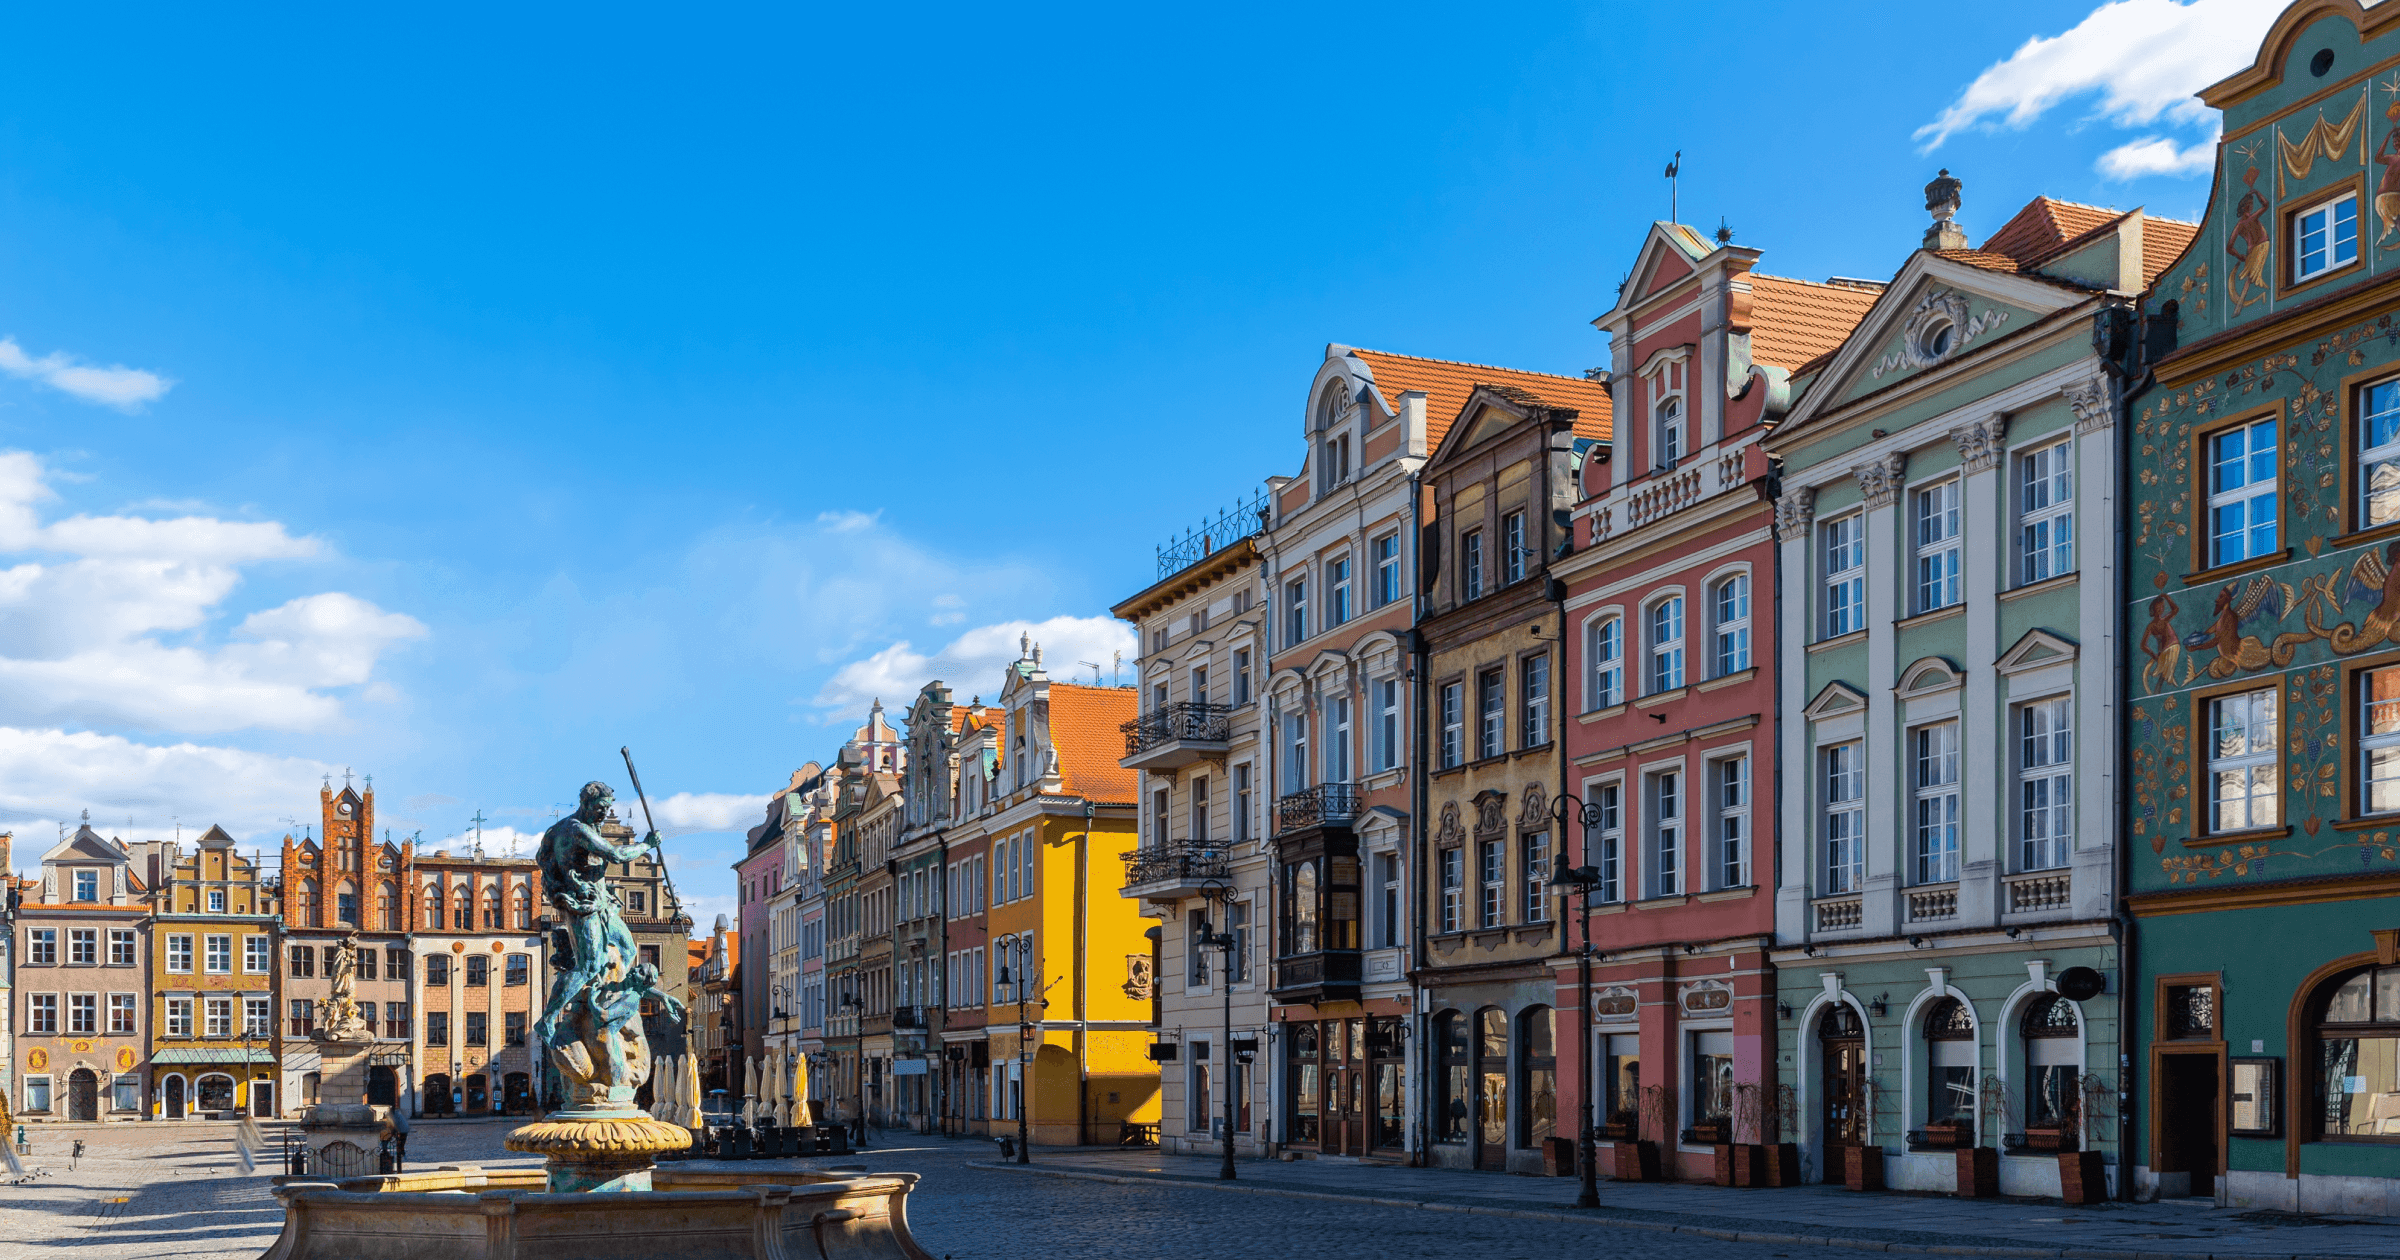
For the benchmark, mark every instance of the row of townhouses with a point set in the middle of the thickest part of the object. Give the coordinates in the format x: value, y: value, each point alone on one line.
x: 1866, y: 720
x: 168, y: 981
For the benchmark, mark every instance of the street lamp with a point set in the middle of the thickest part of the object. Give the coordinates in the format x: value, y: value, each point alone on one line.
x: 1571, y: 881
x: 1214, y: 891
x: 1025, y: 1073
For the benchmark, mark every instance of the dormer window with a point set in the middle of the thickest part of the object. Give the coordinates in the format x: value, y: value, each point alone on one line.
x: 2325, y: 236
x: 87, y: 885
x: 1333, y: 438
x: 1670, y: 439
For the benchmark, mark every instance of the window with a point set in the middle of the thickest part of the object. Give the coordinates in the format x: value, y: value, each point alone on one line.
x: 387, y: 908
x: 83, y: 946
x: 1337, y: 582
x: 1295, y: 611
x: 2045, y: 783
x: 1241, y: 675
x: 1199, y: 832
x: 1712, y: 1078
x: 120, y: 1012
x: 1237, y: 922
x: 1950, y: 1054
x: 2379, y: 741
x: 1158, y: 816
x: 83, y: 1012
x: 1732, y: 639
x: 366, y: 965
x: 1536, y: 876
x: 479, y: 1028
x: 1604, y: 663
x: 437, y: 971
x: 1386, y: 551
x: 1337, y: 740
x: 1491, y: 711
x: 179, y: 1017
x: 41, y: 946
x: 41, y: 1012
x: 1295, y: 745
x: 1470, y: 553
x: 179, y: 952
x: 395, y: 963
x: 304, y: 1016
x: 1937, y: 546
x: 120, y: 947
x: 220, y: 1017
x: 258, y: 1016
x: 518, y: 963
x: 1666, y: 644
x: 2357, y: 1075
x: 2046, y: 513
x: 1605, y: 843
x: 2241, y: 761
x: 220, y: 955
x: 304, y: 961
x: 1512, y: 539
x: 1537, y: 1076
x: 2052, y: 1052
x: 1453, y: 894
x: 1386, y: 752
x: 637, y: 902
x: 1935, y: 751
x: 1196, y: 930
x: 395, y: 1019
x: 2379, y: 454
x: 437, y: 1028
x: 2241, y: 493
x: 1241, y: 802
x: 1731, y: 855
x: 1197, y: 1094
x: 1845, y: 574
x: 479, y: 971
x: 1453, y: 732
x: 1535, y: 706
x: 2325, y: 236
x: 345, y: 905
x: 1492, y: 870
x: 87, y: 885
x: 1388, y: 911
x: 216, y: 901
x: 1666, y: 833
x: 256, y: 956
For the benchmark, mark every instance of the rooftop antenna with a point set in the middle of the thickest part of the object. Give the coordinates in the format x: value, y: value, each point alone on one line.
x: 1674, y: 167
x: 1116, y: 668
x: 1095, y: 671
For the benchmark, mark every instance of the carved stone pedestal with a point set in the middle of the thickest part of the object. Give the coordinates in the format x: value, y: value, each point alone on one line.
x: 599, y: 1148
x: 342, y: 1133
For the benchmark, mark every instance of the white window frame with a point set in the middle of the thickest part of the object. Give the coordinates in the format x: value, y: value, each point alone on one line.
x: 1663, y: 799
x: 122, y: 1014
x: 1668, y: 410
x: 83, y: 1014
x: 1607, y: 837
x: 1729, y: 614
x: 216, y: 901
x: 1731, y: 803
x: 2244, y: 496
x: 1533, y: 700
x: 1842, y: 550
x: 1934, y: 519
x: 1454, y: 860
x: 1338, y: 745
x: 1295, y: 752
x: 1385, y: 549
x: 1337, y: 586
x: 1470, y: 564
x: 1295, y: 610
x: 1934, y: 819
x: 2378, y: 462
x: 1491, y: 712
x: 2378, y: 743
x: 1515, y: 554
x: 121, y: 947
x: 179, y: 953
x: 219, y: 956
x: 217, y: 1013
x: 1452, y: 696
x: 1604, y: 661
x: 1387, y: 723
x: 2045, y: 512
x: 1535, y: 857
x: 2329, y: 256
x: 1842, y: 768
x: 81, y: 876
x: 179, y: 1017
x: 1662, y: 639
x: 1491, y: 883
x: 2257, y: 714
x: 2045, y: 783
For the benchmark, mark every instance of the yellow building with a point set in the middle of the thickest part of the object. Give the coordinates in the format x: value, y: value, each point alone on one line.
x: 1070, y: 963
x: 215, y: 1048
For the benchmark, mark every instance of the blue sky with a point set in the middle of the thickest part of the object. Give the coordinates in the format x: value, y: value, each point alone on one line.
x: 460, y: 397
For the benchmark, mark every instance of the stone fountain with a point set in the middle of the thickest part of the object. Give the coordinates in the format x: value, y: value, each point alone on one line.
x: 600, y: 1195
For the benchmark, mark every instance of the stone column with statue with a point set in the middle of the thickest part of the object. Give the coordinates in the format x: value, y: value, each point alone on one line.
x: 590, y: 1031
x: 343, y: 1131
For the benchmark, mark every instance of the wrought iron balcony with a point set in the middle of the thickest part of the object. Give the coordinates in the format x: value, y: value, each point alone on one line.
x: 1325, y: 805
x: 1178, y: 868
x: 1176, y: 736
x: 909, y: 1016
x: 1325, y: 976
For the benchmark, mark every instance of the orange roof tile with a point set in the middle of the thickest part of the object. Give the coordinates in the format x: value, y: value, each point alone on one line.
x: 2044, y: 224
x: 1083, y: 728
x: 2163, y: 241
x: 1794, y: 321
x: 1981, y: 258
x: 695, y: 953
x: 1446, y: 385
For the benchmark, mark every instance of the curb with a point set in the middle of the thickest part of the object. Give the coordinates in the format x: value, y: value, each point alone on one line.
x: 1697, y: 1231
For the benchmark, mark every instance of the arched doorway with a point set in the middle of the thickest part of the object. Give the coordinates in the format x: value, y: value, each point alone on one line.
x: 383, y: 1086
x: 478, y: 1099
x: 516, y: 1092
x: 83, y: 1095
x: 216, y: 1092
x: 1842, y: 1052
x: 2053, y: 1064
x: 174, y: 1098
x: 1491, y: 1089
x: 437, y: 1094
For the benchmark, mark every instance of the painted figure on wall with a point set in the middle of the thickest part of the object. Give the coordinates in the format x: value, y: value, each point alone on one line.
x: 2387, y: 189
x: 2160, y: 672
x: 2237, y: 605
x: 2251, y: 246
x: 2376, y: 576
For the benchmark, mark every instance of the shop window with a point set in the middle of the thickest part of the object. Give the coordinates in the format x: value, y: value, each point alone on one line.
x: 1452, y: 1086
x: 1950, y: 1063
x: 1712, y: 1082
x: 1537, y: 1076
x: 1621, y: 1079
x: 2054, y: 1062
x: 1491, y: 1079
x: 1305, y: 1082
x: 2357, y: 1081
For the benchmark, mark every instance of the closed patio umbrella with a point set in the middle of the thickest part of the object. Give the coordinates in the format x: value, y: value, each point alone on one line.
x: 800, y: 1114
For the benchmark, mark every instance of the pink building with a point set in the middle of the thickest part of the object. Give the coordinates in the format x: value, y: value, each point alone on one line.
x: 1670, y: 601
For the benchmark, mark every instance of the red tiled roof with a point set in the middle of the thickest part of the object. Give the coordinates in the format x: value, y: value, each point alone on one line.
x: 1083, y: 728
x: 1447, y: 384
x: 2045, y: 224
x: 2163, y: 241
x: 1794, y: 321
x: 1981, y: 258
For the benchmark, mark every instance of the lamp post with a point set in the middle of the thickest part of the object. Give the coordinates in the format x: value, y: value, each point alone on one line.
x: 1214, y: 891
x: 1584, y: 880
x: 1025, y: 1057
x: 857, y: 1011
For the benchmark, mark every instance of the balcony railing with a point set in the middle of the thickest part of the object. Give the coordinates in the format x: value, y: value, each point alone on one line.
x: 1838, y: 914
x: 1177, y: 864
x: 909, y: 1016
x: 1929, y: 905
x: 1329, y: 975
x: 2048, y: 890
x: 1326, y: 804
x: 1185, y: 721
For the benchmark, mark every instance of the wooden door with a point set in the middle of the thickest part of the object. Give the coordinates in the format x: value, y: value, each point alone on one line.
x: 1844, y: 1090
x: 174, y: 1098
x: 83, y: 1095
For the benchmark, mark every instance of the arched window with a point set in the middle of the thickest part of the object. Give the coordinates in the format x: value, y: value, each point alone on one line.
x: 1729, y: 604
x: 491, y: 905
x: 345, y: 904
x: 1842, y: 1051
x: 2053, y: 1060
x: 462, y: 908
x: 387, y: 907
x: 1453, y: 1086
x: 2357, y: 1085
x: 1950, y: 1063
x: 1604, y: 663
x: 1491, y: 1087
x: 433, y: 907
x: 1537, y: 1076
x: 524, y: 908
x: 1666, y: 644
x: 1670, y: 432
x: 311, y: 913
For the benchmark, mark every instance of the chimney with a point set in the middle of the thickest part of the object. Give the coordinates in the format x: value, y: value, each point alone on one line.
x: 8, y: 844
x: 1941, y: 200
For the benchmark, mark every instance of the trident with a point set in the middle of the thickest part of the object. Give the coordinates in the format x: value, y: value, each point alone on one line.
x: 639, y: 795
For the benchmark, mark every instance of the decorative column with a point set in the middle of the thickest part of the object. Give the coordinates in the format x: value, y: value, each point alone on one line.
x: 1983, y: 719
x: 1795, y: 527
x: 1881, y: 480
x: 2097, y: 712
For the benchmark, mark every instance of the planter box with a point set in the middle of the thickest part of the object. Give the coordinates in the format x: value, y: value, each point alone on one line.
x: 1749, y: 1163
x: 1862, y: 1167
x: 1721, y: 1163
x: 1949, y: 1135
x: 1558, y: 1157
x: 2050, y: 1140
x: 1978, y: 1173
x: 1780, y: 1164
x: 2082, y: 1178
x: 1637, y: 1161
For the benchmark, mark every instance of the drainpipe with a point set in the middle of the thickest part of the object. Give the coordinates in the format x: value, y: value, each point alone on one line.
x: 2121, y: 924
x: 1419, y: 795
x: 1083, y: 1027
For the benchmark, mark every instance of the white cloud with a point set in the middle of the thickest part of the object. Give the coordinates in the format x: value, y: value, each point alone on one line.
x: 48, y: 775
x: 2145, y: 57
x: 2158, y: 155
x: 121, y: 387
x: 846, y: 522
x: 971, y: 663
x: 688, y: 812
x: 109, y: 629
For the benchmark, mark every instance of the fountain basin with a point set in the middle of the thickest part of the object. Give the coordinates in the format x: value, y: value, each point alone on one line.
x: 466, y: 1213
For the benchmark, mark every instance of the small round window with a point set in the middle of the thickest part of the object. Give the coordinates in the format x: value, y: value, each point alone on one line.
x: 1936, y: 340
